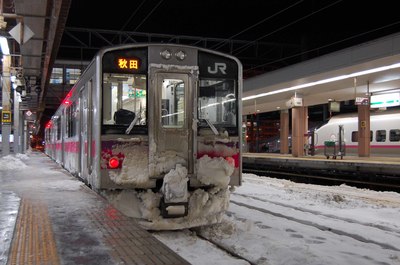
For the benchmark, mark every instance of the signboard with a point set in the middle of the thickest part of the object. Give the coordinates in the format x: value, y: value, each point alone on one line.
x: 6, y: 117
x: 362, y: 101
x: 385, y: 100
x: 334, y: 106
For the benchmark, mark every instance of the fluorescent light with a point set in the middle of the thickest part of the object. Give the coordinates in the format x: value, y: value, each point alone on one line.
x: 324, y: 81
x: 4, y: 45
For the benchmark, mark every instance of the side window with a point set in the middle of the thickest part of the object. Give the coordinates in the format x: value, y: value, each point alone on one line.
x: 58, y: 128
x: 394, y: 135
x: 354, y: 136
x: 381, y: 135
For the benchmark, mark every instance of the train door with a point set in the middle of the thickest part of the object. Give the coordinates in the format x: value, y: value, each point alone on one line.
x: 79, y: 130
x: 63, y: 124
x: 86, y: 131
x: 172, y: 118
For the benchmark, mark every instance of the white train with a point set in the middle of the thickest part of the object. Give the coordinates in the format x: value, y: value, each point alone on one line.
x: 156, y: 128
x: 384, y: 133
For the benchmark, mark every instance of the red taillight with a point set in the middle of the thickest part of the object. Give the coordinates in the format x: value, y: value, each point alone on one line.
x: 113, y: 162
x: 230, y: 160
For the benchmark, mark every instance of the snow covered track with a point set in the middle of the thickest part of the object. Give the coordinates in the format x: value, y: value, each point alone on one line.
x: 319, y: 220
x: 278, y: 222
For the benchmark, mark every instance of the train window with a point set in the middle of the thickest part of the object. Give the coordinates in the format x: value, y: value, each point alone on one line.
x: 173, y: 103
x: 71, y: 119
x: 217, y: 104
x: 354, y: 136
x: 394, y: 135
x: 124, y: 99
x: 58, y: 128
x: 381, y: 135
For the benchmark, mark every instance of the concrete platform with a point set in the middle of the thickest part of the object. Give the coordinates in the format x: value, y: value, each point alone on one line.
x: 372, y: 164
x: 49, y: 217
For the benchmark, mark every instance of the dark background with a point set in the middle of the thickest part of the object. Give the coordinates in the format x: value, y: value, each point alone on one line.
x: 290, y: 31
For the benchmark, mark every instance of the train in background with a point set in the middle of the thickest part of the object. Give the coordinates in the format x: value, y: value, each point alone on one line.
x: 343, y: 129
x: 156, y: 129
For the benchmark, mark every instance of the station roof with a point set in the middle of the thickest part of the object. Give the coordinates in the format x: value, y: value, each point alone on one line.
x: 358, y: 71
x: 38, y: 26
x: 265, y: 35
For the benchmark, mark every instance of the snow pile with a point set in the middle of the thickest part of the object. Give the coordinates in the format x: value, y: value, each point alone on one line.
x: 204, y: 206
x: 214, y: 171
x: 13, y: 162
x: 135, y: 167
x: 175, y: 185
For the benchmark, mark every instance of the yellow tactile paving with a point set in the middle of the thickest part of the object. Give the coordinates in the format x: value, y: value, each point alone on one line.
x: 33, y: 242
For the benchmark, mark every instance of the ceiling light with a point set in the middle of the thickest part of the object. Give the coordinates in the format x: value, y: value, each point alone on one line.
x: 4, y: 45
x: 325, y: 81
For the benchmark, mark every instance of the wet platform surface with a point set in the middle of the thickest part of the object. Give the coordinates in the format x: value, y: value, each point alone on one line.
x: 48, y: 216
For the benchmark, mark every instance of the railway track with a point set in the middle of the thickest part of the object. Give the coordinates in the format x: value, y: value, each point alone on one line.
x: 323, y: 177
x: 274, y: 222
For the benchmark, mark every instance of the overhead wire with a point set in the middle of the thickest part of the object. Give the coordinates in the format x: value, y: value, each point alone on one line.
x: 149, y: 14
x: 135, y: 12
x: 238, y: 50
x: 132, y: 15
x: 324, y: 46
x: 130, y: 18
x: 217, y: 46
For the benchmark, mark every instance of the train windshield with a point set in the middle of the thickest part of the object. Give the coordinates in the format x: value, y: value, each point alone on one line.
x: 124, y: 99
x: 217, y: 105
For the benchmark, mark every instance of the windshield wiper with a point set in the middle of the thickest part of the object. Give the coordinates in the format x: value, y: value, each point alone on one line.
x: 215, y: 131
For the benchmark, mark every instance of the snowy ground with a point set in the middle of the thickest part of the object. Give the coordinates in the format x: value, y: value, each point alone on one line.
x: 274, y: 222
x: 271, y: 221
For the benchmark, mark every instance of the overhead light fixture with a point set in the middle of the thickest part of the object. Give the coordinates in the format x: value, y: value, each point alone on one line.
x: 4, y: 45
x: 324, y: 81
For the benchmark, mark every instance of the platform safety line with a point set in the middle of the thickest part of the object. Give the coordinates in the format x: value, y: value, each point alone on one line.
x: 33, y: 242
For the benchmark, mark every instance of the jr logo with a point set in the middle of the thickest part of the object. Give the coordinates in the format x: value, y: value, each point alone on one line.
x: 217, y: 67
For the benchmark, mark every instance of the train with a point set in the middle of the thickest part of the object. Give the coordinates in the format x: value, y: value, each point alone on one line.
x: 156, y: 129
x: 342, y: 129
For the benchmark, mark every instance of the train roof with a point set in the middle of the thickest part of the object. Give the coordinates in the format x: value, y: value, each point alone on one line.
x: 354, y: 115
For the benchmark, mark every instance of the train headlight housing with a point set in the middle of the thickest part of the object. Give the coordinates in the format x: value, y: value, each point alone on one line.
x: 113, y: 162
x: 181, y: 55
x: 166, y: 54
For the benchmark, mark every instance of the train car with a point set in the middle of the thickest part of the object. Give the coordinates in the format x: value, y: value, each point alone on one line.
x: 155, y: 128
x: 384, y: 133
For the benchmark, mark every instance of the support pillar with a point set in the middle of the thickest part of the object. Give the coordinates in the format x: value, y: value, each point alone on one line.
x: 364, y: 134
x: 16, y: 131
x: 284, y: 131
x: 299, y: 129
x: 6, y: 126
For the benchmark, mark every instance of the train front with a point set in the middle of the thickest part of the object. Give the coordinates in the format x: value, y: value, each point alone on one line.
x: 181, y: 154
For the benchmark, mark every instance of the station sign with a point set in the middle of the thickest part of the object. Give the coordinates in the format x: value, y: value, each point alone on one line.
x: 362, y: 101
x: 385, y: 100
x: 6, y: 117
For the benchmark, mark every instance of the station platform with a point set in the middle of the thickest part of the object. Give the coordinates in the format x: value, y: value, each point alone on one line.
x: 377, y: 164
x: 49, y: 217
x: 374, y: 171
